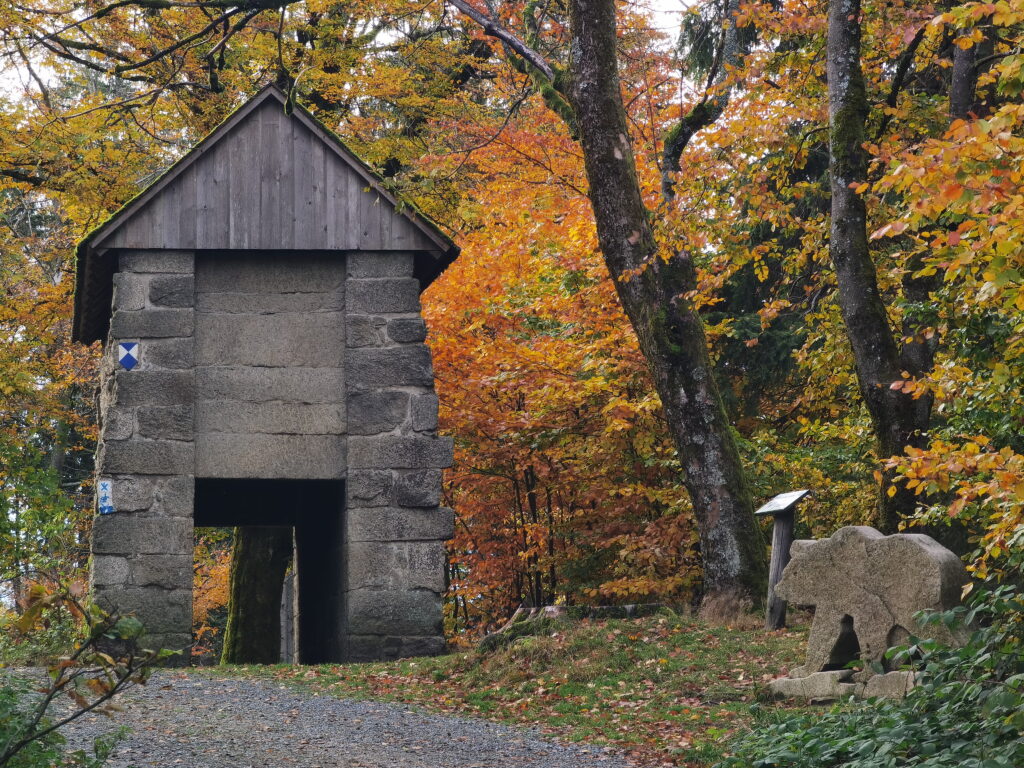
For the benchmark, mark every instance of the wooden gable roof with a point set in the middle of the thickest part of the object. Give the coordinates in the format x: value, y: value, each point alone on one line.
x: 266, y: 180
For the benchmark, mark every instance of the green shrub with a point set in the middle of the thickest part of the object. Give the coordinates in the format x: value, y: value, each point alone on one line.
x: 53, y: 639
x: 18, y: 718
x: 967, y: 710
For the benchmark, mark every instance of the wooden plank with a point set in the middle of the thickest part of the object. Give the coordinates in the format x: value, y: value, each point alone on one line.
x: 349, y: 224
x: 268, y: 181
x: 133, y: 233
x: 319, y: 198
x: 304, y: 187
x: 206, y: 202
x: 212, y: 201
x: 284, y: 237
x: 412, y: 237
x: 158, y: 213
x: 385, y: 217
x: 331, y: 202
x: 243, y: 188
x: 399, y: 231
x: 359, y: 212
x: 186, y: 213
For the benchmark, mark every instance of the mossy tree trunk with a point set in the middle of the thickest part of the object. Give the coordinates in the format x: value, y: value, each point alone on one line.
x: 653, y: 291
x: 259, y: 560
x: 654, y: 294
x: 898, y: 418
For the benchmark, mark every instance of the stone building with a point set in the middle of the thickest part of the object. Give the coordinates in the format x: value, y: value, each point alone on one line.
x: 264, y: 364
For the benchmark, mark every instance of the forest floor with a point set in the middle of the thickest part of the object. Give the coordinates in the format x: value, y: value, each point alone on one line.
x: 657, y: 691
x: 663, y: 690
x: 190, y: 719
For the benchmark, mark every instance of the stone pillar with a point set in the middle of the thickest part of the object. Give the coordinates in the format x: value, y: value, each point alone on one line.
x: 143, y: 550
x: 394, y: 527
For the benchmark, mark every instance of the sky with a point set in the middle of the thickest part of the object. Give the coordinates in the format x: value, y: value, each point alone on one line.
x: 666, y: 14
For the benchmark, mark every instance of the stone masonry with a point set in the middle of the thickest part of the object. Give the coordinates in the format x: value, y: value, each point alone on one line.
x: 867, y: 590
x: 142, y: 553
x: 271, y: 283
x: 275, y: 366
x: 395, y: 528
x: 270, y: 383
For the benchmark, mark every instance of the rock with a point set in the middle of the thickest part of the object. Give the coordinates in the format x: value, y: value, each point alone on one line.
x: 820, y: 686
x: 866, y: 589
x: 891, y: 685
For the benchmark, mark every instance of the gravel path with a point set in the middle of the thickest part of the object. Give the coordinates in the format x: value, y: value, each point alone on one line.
x: 202, y: 722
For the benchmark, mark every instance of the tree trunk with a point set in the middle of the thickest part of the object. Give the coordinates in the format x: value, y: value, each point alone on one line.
x: 259, y: 559
x: 963, y: 82
x: 898, y: 419
x: 653, y: 293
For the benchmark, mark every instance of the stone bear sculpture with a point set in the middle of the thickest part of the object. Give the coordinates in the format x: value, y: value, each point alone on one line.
x: 866, y: 588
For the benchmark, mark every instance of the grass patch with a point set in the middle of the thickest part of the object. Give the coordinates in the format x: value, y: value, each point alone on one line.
x: 667, y: 690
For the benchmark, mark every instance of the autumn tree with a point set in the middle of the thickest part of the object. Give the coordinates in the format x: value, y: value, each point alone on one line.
x: 654, y: 284
x: 654, y: 287
x: 742, y: 257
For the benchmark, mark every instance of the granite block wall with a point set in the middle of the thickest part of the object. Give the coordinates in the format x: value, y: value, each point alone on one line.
x: 269, y: 348
x: 142, y: 550
x: 394, y: 527
x: 286, y: 367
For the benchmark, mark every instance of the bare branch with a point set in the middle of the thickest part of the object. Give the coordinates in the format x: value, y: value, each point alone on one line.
x: 181, y: 43
x: 491, y: 27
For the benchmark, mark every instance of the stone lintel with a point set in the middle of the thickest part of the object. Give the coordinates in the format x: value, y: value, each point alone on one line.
x: 306, y: 457
x: 145, y: 457
x: 157, y: 261
x: 369, y: 264
x: 399, y: 452
x: 384, y: 524
x: 151, y: 323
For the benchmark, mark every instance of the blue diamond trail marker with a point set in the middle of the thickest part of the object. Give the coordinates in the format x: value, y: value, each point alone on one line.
x: 128, y: 354
x: 105, y: 492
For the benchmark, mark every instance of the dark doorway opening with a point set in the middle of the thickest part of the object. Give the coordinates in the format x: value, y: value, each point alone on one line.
x: 847, y: 647
x: 314, y: 509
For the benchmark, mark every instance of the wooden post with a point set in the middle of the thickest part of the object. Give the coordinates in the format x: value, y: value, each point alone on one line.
x: 783, y: 511
x: 782, y: 539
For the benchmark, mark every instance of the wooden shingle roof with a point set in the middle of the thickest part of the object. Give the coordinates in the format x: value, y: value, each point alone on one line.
x: 264, y: 180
